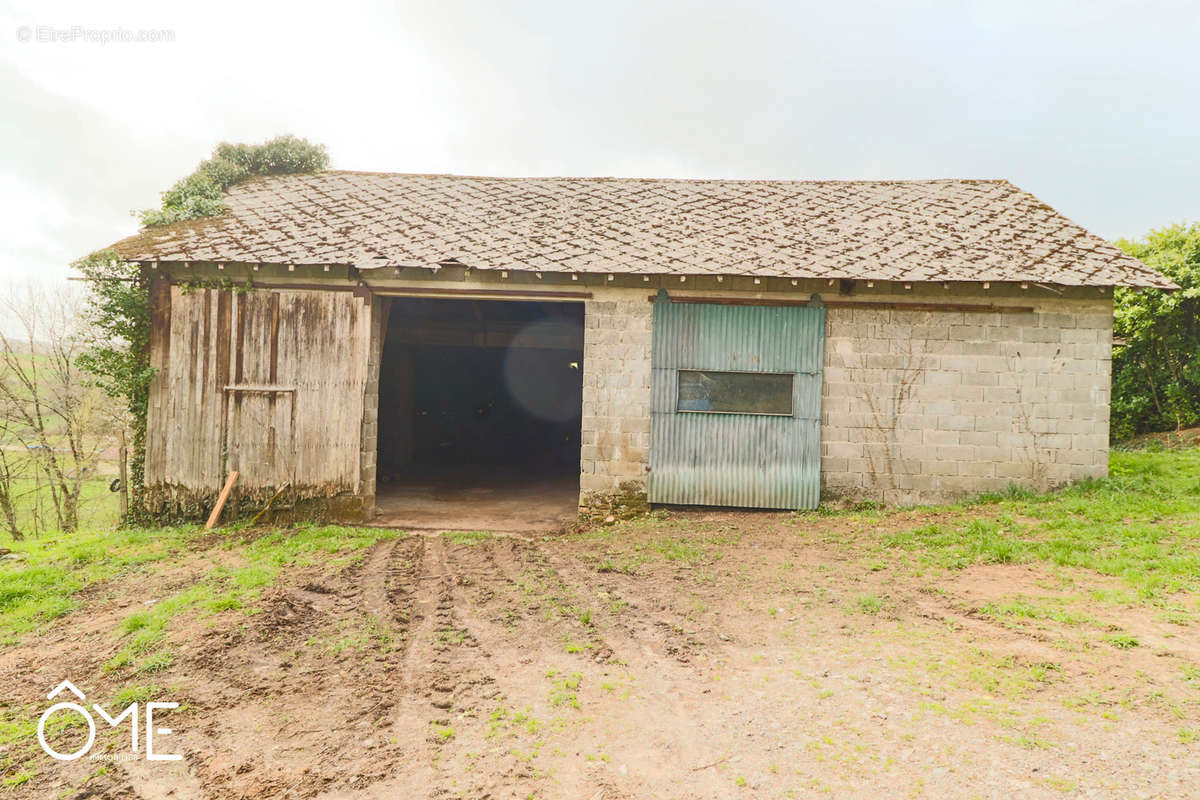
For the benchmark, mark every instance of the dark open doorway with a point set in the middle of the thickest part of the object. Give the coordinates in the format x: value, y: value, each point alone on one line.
x: 479, y: 413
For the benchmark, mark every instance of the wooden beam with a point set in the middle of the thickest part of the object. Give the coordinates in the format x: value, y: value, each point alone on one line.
x: 220, y: 506
x: 977, y: 308
x: 477, y: 294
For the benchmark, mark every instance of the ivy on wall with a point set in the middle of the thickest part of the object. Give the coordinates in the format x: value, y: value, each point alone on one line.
x: 118, y: 353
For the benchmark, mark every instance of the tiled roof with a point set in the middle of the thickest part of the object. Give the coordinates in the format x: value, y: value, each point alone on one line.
x: 936, y: 230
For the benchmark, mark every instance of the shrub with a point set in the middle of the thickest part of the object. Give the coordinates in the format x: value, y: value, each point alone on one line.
x: 1156, y: 372
x: 201, y: 194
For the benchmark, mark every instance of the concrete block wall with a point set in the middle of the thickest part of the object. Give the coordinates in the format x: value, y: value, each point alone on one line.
x: 924, y: 407
x: 369, y: 454
x: 918, y: 407
x: 615, y: 430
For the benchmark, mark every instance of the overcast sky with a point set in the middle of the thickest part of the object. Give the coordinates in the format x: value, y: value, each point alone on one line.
x: 1092, y: 105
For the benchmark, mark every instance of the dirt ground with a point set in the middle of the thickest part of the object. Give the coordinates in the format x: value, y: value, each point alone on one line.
x: 701, y: 656
x: 498, y: 502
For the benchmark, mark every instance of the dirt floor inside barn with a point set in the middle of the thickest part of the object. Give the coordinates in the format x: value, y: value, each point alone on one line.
x: 685, y: 655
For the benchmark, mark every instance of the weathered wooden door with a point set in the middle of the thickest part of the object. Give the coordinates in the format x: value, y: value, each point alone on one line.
x: 735, y: 416
x: 259, y: 408
x: 268, y: 382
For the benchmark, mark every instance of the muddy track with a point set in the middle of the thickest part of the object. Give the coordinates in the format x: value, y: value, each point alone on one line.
x: 281, y: 656
x: 447, y: 666
x: 572, y: 604
x: 620, y: 611
x: 444, y: 674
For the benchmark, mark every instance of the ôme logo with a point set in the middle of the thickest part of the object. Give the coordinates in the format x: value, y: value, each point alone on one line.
x: 131, y: 711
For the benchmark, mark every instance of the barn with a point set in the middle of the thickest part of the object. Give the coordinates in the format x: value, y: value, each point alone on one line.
x: 358, y: 341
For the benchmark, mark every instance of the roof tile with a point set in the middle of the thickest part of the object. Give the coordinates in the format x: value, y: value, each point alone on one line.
x: 936, y: 230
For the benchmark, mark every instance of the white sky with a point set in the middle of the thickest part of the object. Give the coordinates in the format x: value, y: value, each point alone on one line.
x: 1091, y: 105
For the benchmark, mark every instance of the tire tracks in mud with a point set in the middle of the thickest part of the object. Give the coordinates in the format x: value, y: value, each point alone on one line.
x: 538, y: 586
x: 344, y: 698
x: 445, y: 676
x: 626, y: 615
x: 627, y: 641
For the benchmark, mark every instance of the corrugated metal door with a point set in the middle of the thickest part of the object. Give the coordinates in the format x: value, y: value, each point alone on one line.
x: 736, y: 458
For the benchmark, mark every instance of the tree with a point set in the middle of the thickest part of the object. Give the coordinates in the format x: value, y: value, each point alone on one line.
x: 117, y: 352
x: 1156, y: 370
x: 57, y: 419
x: 9, y: 472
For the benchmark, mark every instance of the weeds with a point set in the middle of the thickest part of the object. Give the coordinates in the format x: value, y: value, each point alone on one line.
x: 237, y: 588
x: 468, y: 538
x: 1121, y: 641
x: 565, y: 691
x: 868, y: 604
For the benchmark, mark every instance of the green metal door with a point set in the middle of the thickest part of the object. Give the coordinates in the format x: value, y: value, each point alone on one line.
x: 735, y: 414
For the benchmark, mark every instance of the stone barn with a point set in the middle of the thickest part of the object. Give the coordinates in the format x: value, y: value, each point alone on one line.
x: 371, y: 343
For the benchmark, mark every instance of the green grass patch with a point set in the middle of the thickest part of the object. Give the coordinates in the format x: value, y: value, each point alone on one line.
x: 868, y: 604
x: 1121, y: 641
x: 679, y: 549
x: 135, y: 693
x: 566, y: 690
x: 1140, y: 525
x: 238, y: 588
x: 99, y: 509
x: 469, y: 538
x: 45, y: 585
x: 1028, y: 608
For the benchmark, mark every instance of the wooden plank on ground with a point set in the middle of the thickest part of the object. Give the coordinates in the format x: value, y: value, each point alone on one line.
x: 225, y: 492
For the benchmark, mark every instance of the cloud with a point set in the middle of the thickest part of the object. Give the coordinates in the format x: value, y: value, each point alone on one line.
x: 1087, y: 106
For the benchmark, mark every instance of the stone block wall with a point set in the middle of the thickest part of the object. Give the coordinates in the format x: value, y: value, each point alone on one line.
x: 931, y: 406
x: 918, y: 407
x: 369, y: 453
x: 615, y: 431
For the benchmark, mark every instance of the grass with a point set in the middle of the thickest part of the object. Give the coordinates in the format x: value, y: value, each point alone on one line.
x: 868, y: 604
x: 135, y: 694
x: 468, y: 538
x: 1140, y: 525
x: 56, y: 576
x: 680, y: 549
x: 49, y: 582
x: 1121, y: 641
x: 565, y: 691
x: 46, y: 584
x: 98, y: 507
x: 239, y: 587
x: 1030, y: 609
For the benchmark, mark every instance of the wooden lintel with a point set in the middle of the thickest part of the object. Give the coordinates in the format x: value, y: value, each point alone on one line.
x: 968, y: 308
x: 363, y: 290
x: 478, y: 294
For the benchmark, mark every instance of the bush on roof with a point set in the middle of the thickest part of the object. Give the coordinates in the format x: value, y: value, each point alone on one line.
x: 1156, y: 372
x: 201, y: 194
